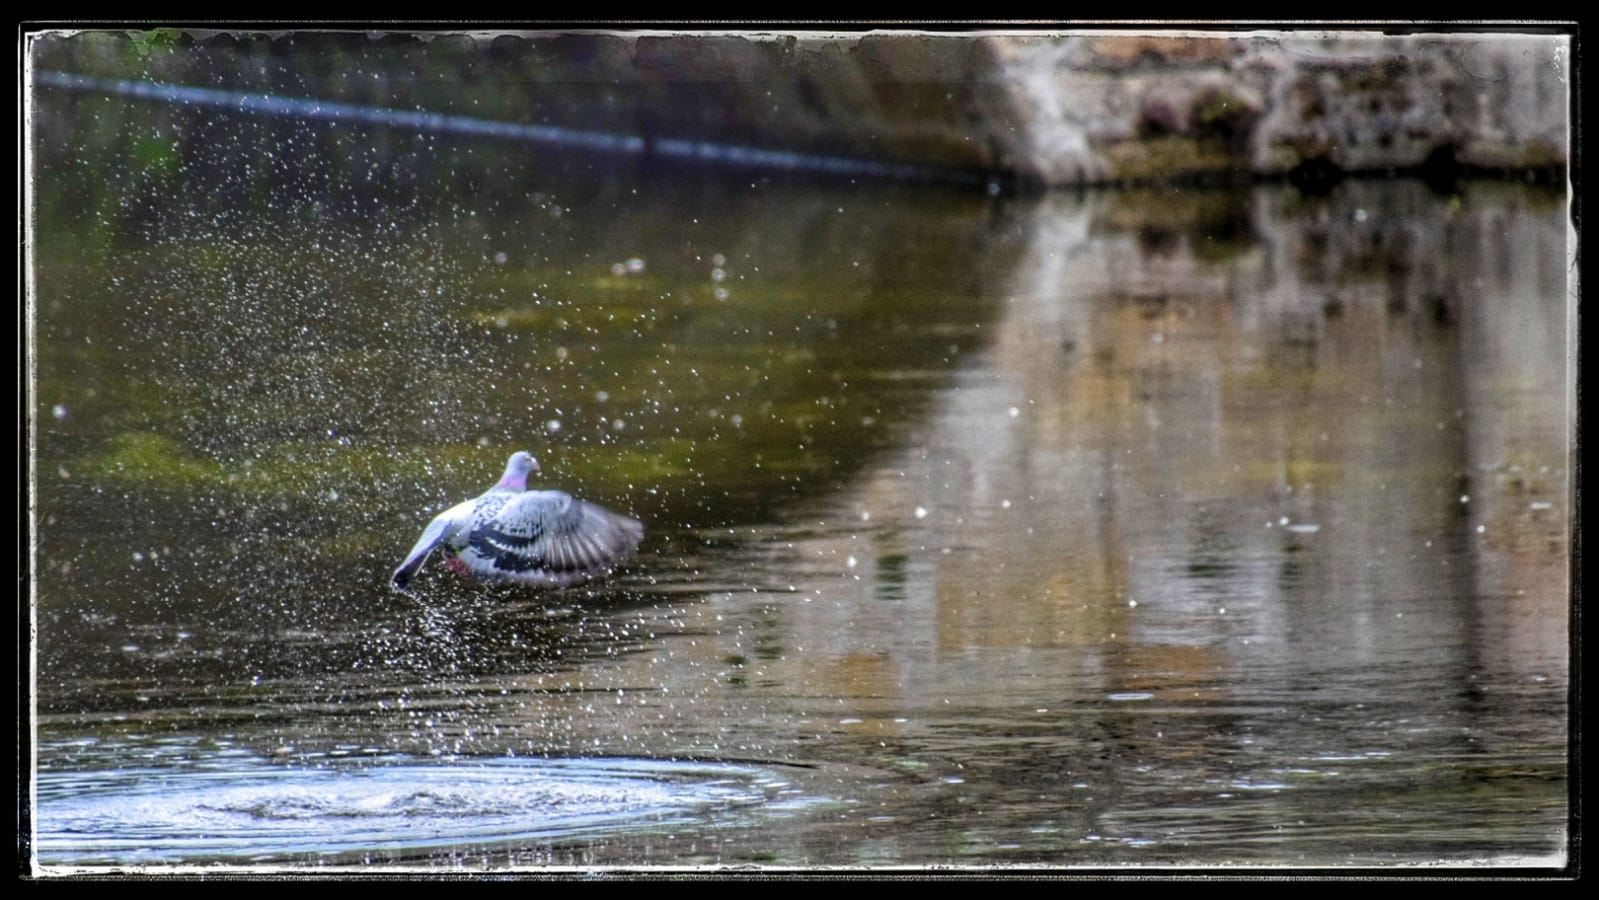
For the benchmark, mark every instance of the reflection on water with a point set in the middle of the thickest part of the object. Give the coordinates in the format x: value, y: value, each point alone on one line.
x: 1105, y: 529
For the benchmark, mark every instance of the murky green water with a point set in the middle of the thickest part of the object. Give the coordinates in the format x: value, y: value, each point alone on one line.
x: 1124, y: 528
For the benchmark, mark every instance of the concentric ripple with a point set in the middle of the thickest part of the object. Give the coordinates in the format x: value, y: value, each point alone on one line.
x: 164, y: 816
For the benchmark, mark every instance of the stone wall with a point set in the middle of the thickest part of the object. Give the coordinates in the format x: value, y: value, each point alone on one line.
x: 1119, y: 107
x: 1052, y: 109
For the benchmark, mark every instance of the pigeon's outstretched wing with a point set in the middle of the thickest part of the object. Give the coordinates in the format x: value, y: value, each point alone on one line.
x: 549, y: 538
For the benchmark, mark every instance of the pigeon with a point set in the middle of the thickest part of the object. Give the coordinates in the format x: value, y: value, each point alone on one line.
x: 539, y: 538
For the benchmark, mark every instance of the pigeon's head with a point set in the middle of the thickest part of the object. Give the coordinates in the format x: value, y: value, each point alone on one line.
x: 516, y: 470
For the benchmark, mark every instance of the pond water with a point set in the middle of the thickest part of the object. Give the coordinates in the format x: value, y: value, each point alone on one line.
x: 1122, y: 528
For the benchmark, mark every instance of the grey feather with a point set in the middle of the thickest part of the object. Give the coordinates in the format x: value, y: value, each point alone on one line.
x: 541, y: 538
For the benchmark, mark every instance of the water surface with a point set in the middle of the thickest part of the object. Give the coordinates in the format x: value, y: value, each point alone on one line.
x: 1105, y: 529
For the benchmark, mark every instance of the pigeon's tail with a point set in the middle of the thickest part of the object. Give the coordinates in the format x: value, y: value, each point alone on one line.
x: 436, y: 532
x: 402, y: 575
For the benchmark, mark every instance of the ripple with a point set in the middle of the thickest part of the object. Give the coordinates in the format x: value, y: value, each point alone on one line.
x: 162, y: 817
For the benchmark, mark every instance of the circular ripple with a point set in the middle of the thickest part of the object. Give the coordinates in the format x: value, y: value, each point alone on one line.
x: 164, y: 817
